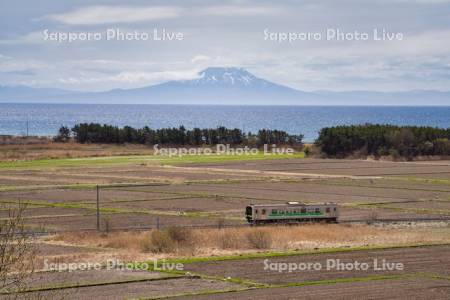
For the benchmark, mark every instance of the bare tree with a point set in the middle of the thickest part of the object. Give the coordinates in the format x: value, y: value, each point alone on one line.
x: 17, y: 253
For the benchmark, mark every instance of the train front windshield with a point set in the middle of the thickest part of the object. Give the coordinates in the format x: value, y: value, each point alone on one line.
x: 248, y: 210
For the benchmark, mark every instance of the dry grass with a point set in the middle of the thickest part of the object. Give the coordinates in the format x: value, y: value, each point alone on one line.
x: 118, y: 240
x: 46, y: 149
x: 177, y: 241
x: 259, y: 239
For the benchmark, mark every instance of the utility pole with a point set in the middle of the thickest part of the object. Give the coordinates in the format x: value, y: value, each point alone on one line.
x: 27, y: 128
x: 98, y: 209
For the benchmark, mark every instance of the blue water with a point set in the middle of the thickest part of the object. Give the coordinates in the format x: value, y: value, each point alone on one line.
x: 45, y: 119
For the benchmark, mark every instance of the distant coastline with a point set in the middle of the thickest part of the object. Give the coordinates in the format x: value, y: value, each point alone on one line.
x: 45, y: 119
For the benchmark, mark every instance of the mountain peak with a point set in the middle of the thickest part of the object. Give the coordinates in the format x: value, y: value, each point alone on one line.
x: 226, y: 76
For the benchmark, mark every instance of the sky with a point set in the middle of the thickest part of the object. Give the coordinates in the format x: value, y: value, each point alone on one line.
x: 241, y: 33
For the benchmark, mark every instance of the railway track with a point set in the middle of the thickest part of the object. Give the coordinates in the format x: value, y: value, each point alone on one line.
x: 143, y: 228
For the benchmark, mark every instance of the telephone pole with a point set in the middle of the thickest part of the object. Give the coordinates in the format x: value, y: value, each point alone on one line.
x: 98, y: 209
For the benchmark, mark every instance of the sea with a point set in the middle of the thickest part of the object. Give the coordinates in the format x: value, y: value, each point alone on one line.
x: 46, y: 119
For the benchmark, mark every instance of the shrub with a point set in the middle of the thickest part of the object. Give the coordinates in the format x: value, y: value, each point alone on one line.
x: 63, y: 135
x: 259, y: 239
x: 180, y: 235
x: 159, y: 242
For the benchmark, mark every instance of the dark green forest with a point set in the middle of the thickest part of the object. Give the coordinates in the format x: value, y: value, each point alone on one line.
x: 334, y: 142
x: 383, y: 140
x: 107, y: 134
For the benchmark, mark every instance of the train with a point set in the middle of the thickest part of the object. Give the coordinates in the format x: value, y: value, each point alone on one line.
x: 291, y: 212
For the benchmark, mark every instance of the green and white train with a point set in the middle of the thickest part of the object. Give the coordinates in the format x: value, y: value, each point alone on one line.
x: 292, y: 212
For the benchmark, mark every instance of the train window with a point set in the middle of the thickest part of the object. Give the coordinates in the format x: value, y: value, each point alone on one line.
x: 317, y: 210
x: 256, y: 211
x: 263, y: 211
x: 334, y: 209
x: 303, y: 211
x: 274, y: 211
x: 328, y: 209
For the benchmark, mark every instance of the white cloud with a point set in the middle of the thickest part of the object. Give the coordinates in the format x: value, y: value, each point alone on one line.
x: 13, y: 65
x: 237, y: 10
x: 93, y: 15
x: 200, y: 58
x: 136, y: 78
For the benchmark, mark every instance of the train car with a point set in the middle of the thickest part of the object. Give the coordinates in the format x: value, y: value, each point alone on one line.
x: 292, y: 212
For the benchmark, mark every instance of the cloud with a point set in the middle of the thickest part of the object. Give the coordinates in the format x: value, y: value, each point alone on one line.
x: 200, y: 58
x: 21, y: 73
x: 133, y: 77
x: 424, y: 1
x: 94, y: 15
x: 12, y: 65
x: 34, y: 37
x: 103, y: 14
x: 238, y: 10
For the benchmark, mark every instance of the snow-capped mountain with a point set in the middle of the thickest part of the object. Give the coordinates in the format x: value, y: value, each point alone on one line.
x: 212, y: 86
x: 227, y: 76
x: 227, y: 86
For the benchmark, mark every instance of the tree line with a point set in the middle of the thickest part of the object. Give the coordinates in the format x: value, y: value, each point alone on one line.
x: 383, y: 140
x: 109, y: 134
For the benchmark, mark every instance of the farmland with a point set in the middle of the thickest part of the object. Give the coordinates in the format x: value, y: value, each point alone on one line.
x: 397, y: 211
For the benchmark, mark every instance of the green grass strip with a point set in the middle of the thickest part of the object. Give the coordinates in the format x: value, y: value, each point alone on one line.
x: 137, y: 159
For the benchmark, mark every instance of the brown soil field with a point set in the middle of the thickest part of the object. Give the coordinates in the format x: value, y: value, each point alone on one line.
x: 341, y: 167
x: 433, y: 205
x: 38, y: 212
x: 277, y: 191
x: 183, y: 204
x: 313, y: 190
x: 387, y: 183
x: 388, y: 199
x: 49, y: 279
x: 397, y: 289
x: 216, y: 194
x: 108, y: 175
x: 135, y: 290
x: 433, y: 259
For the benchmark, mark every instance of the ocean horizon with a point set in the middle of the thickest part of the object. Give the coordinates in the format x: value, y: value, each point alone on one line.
x: 45, y: 119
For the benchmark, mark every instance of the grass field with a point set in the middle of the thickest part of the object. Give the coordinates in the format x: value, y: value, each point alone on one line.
x: 138, y: 159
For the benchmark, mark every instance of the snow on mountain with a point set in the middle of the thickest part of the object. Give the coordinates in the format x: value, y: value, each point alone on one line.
x: 226, y: 76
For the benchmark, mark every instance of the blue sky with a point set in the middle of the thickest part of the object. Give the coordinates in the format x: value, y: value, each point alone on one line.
x: 227, y: 33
